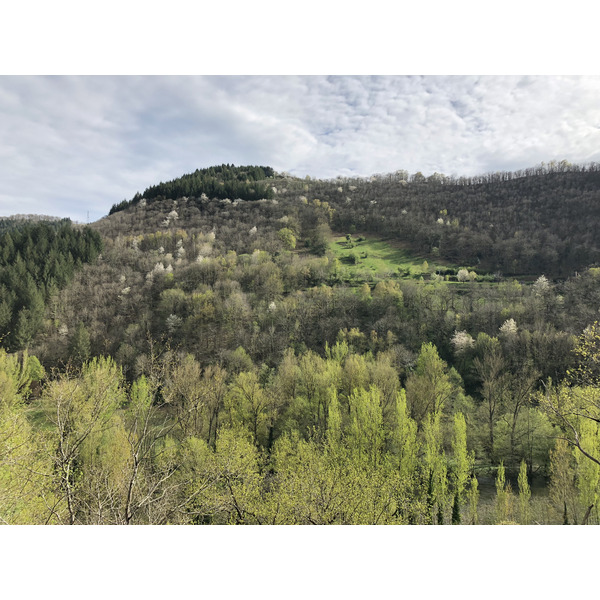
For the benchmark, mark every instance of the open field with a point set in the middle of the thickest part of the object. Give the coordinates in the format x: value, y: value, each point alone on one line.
x: 377, y: 258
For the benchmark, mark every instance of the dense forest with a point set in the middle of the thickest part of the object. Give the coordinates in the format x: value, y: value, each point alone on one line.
x: 37, y: 259
x: 228, y: 348
x: 225, y: 181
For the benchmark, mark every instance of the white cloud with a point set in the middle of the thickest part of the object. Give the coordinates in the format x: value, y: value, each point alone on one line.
x: 73, y: 144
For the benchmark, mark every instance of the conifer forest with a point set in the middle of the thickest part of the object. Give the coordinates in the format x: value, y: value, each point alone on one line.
x: 241, y: 346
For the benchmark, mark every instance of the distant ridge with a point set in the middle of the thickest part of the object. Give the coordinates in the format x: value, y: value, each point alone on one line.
x: 33, y: 218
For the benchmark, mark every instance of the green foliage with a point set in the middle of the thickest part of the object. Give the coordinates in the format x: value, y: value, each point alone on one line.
x: 473, y: 496
x: 524, y: 495
x: 504, y: 497
x: 435, y: 466
x: 588, y: 471
x: 429, y: 389
x: 407, y: 443
x: 365, y: 433
x: 463, y: 461
x: 249, y: 406
x: 287, y: 238
x: 80, y: 408
x: 237, y: 489
x: 379, y: 257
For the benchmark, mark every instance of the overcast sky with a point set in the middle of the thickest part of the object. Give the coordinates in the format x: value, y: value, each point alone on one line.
x: 69, y: 145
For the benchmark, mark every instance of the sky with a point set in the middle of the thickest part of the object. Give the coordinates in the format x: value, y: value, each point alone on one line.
x: 73, y: 144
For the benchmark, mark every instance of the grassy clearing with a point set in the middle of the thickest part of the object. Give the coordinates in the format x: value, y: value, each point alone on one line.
x: 372, y: 258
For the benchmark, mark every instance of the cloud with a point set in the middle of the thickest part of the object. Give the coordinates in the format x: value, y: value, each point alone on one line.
x: 69, y: 145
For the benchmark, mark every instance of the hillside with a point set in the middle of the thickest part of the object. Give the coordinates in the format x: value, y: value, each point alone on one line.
x: 390, y: 338
x: 540, y: 220
x: 214, y: 266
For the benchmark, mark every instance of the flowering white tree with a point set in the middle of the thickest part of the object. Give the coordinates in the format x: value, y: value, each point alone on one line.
x: 205, y: 249
x: 509, y: 327
x: 541, y: 285
x: 157, y: 269
x: 462, y: 341
x: 173, y: 323
x: 463, y: 275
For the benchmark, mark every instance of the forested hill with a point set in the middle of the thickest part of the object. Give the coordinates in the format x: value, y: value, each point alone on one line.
x: 222, y: 359
x: 539, y: 220
x: 225, y: 181
x: 542, y: 220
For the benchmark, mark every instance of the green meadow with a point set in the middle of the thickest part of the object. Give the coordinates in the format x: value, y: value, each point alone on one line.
x: 365, y: 258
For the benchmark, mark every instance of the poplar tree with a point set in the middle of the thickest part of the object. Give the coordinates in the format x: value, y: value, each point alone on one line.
x: 524, y: 494
x: 503, y: 497
x: 365, y: 433
x: 435, y: 467
x: 429, y: 389
x: 473, y: 495
x: 406, y: 440
x: 463, y: 464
